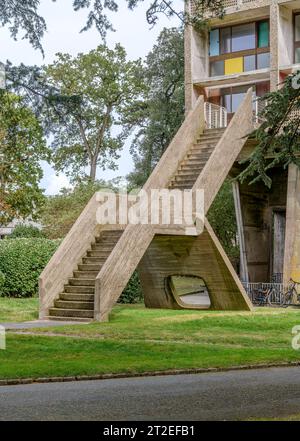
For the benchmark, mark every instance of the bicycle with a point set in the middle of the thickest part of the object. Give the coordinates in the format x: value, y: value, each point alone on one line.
x: 287, y: 298
x: 263, y: 297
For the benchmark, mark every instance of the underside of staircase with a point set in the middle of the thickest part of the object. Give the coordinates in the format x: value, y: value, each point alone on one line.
x: 91, y: 268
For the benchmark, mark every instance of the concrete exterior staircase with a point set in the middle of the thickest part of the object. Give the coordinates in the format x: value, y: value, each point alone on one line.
x: 196, y: 159
x: 76, y: 302
x: 93, y: 265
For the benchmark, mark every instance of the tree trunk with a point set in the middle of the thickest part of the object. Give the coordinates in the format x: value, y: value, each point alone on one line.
x: 93, y: 170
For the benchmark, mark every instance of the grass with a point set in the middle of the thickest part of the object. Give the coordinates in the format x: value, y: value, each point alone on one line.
x: 18, y: 310
x: 138, y: 340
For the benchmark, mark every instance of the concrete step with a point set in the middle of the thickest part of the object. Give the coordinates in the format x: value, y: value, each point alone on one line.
x: 83, y: 275
x: 110, y: 239
x: 69, y: 289
x: 202, y: 155
x: 193, y: 160
x: 77, y: 297
x: 186, y: 165
x: 71, y: 313
x: 87, y: 282
x: 94, y: 260
x: 68, y: 304
x: 186, y: 174
x: 99, y: 253
x: 188, y: 182
x: 69, y: 319
x: 100, y: 247
x: 89, y: 267
x: 180, y: 187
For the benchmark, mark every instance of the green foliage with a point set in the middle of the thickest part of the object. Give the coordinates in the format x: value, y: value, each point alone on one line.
x: 133, y: 292
x: 61, y: 211
x: 279, y: 135
x: 22, y: 147
x: 163, y: 110
x: 223, y: 221
x: 93, y: 128
x: 26, y: 231
x: 2, y: 282
x: 27, y: 18
x: 22, y: 261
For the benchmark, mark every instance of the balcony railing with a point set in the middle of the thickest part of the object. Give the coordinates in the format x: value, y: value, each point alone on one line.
x: 216, y: 117
x: 258, y: 107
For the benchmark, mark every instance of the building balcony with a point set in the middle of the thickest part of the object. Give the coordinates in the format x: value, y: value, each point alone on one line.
x: 240, y: 78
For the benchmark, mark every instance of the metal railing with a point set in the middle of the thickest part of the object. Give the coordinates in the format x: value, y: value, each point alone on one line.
x: 216, y: 117
x: 258, y: 107
x: 252, y: 290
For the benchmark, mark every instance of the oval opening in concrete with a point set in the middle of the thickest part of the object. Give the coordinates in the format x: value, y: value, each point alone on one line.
x: 189, y: 291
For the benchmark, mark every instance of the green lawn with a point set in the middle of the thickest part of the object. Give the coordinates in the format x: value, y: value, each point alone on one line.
x: 18, y: 310
x: 139, y: 340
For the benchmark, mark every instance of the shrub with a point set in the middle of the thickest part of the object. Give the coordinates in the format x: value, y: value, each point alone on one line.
x: 22, y: 261
x: 26, y: 231
x: 133, y: 292
x: 2, y: 282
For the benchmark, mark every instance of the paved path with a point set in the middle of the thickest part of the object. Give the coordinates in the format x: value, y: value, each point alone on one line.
x: 219, y: 396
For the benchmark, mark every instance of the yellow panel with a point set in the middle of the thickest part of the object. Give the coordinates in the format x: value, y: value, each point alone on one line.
x: 234, y: 65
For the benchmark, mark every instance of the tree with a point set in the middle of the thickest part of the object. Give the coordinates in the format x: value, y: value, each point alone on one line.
x: 91, y: 129
x: 163, y: 110
x: 278, y: 137
x: 25, y: 15
x: 22, y: 147
x: 222, y: 218
x: 60, y: 212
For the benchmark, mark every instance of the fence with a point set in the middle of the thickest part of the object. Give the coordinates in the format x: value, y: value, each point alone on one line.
x: 216, y: 117
x: 252, y: 290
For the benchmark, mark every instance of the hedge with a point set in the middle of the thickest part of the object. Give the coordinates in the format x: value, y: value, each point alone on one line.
x: 26, y: 231
x: 22, y: 261
x: 2, y: 282
x: 133, y: 292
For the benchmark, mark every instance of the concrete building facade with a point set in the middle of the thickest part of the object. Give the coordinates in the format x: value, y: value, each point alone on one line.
x: 256, y: 44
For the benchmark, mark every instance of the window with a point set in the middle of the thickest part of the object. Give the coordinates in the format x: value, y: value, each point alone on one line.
x: 297, y: 27
x: 249, y: 63
x: 214, y: 43
x: 217, y: 68
x: 241, y: 48
x: 243, y: 37
x: 297, y: 38
x: 225, y: 40
x: 232, y: 97
x: 263, y: 34
x: 263, y: 60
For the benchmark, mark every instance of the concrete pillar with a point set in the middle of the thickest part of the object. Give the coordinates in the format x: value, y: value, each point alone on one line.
x: 188, y: 69
x: 292, y: 243
x: 244, y: 275
x: 274, y: 45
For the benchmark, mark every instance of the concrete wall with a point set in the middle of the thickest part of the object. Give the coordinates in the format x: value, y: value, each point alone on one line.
x: 258, y: 205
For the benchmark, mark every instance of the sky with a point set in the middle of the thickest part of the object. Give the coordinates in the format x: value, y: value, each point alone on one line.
x: 63, y: 35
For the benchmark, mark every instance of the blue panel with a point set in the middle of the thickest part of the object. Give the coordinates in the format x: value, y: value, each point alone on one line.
x: 214, y: 43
